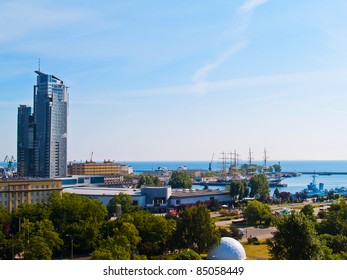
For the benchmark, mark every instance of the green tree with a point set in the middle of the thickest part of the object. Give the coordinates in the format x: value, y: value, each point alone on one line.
x: 308, y: 211
x: 155, y: 231
x: 34, y: 212
x: 256, y: 211
x: 4, y: 216
x: 81, y: 217
x: 195, y: 229
x: 337, y: 243
x: 142, y: 181
x: 277, y: 168
x: 260, y: 187
x: 121, y: 246
x: 187, y: 254
x: 86, y: 235
x: 6, y: 247
x: 5, y: 219
x: 7, y: 240
x: 180, y: 180
x: 120, y: 199
x: 156, y: 181
x: 148, y: 180
x: 130, y: 233
x: 336, y: 220
x: 37, y: 249
x: 238, y: 189
x: 36, y: 235
x: 105, y: 254
x: 331, y: 195
x: 110, y: 249
x: 295, y: 239
x: 276, y: 193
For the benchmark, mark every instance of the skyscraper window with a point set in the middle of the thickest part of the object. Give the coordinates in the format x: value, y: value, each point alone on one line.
x: 42, y: 141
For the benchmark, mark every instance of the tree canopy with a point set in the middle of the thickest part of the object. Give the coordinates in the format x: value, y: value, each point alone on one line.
x: 238, y: 190
x: 256, y: 211
x: 277, y: 168
x: 80, y: 217
x: 295, y: 239
x: 155, y: 231
x: 180, y: 180
x: 149, y: 180
x: 195, y: 229
x: 260, y: 187
x: 120, y: 199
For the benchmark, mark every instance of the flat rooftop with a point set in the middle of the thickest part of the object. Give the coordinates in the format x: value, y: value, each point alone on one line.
x: 27, y: 179
x: 195, y: 192
x: 99, y: 191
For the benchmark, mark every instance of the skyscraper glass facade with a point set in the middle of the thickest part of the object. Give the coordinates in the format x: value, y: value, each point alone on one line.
x: 25, y: 142
x: 42, y: 135
x: 50, y: 118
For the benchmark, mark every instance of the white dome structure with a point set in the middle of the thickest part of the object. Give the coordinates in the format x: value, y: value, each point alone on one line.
x: 228, y: 249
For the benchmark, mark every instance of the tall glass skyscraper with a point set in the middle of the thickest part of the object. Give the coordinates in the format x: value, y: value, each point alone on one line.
x: 50, y: 118
x: 25, y: 142
x: 49, y: 124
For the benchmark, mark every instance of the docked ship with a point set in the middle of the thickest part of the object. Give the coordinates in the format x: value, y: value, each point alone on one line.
x: 312, y: 189
x: 275, y: 182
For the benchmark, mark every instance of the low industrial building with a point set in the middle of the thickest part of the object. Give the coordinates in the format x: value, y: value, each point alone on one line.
x: 82, y: 181
x: 179, y: 197
x: 106, y: 194
x: 153, y: 197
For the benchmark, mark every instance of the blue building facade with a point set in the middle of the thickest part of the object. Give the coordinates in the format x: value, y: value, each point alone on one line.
x: 50, y: 120
x: 25, y: 142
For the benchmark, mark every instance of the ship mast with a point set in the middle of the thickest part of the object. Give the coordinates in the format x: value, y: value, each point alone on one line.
x: 224, y: 163
x: 265, y: 168
x: 250, y: 167
x: 234, y: 164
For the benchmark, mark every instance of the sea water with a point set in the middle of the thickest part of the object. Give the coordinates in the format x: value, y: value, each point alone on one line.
x: 294, y: 184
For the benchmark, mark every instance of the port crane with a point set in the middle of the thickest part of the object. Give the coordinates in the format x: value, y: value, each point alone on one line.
x: 210, y: 164
x: 91, y: 157
x: 10, y: 161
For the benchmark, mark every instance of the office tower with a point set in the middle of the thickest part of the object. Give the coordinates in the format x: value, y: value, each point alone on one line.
x: 50, y: 133
x: 25, y: 142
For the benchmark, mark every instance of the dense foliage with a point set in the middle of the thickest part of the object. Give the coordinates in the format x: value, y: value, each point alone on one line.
x: 257, y: 212
x: 121, y: 199
x: 71, y: 224
x: 195, y: 229
x: 44, y: 231
x: 259, y: 187
x: 180, y: 180
x: 295, y: 239
x: 149, y: 180
x: 300, y: 237
x: 238, y: 190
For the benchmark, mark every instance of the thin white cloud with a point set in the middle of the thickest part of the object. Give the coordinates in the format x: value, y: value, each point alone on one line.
x: 22, y: 18
x: 250, y: 5
x: 199, y: 84
x: 285, y: 81
x: 244, y: 12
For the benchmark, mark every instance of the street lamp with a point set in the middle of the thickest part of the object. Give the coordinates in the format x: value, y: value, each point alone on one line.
x: 12, y: 246
x: 71, y: 244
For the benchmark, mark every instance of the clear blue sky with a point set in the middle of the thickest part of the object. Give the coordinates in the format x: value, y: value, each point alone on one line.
x: 180, y: 80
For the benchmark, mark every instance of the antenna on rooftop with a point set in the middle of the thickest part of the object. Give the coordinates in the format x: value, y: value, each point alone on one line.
x: 39, y: 65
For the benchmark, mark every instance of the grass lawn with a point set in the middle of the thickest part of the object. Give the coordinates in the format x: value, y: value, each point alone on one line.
x: 256, y: 252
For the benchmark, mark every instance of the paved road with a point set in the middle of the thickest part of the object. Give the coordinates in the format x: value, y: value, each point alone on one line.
x: 259, y: 232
